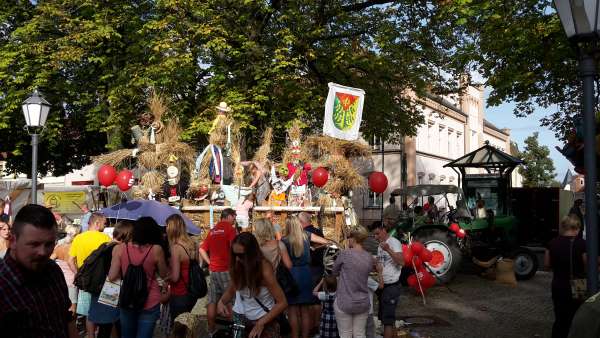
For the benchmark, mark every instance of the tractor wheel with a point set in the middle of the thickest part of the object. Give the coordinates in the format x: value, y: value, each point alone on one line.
x: 526, y: 263
x: 446, y: 254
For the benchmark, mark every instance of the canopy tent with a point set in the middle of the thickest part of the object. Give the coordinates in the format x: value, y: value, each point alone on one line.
x: 493, y: 187
x: 490, y: 158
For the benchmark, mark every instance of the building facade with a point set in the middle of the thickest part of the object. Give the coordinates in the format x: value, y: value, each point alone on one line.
x: 453, y: 127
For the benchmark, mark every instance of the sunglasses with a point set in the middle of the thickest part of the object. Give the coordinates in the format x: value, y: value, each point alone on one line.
x: 239, y: 254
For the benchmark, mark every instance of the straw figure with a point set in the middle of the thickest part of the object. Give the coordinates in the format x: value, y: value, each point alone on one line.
x: 219, y: 163
x: 157, y: 145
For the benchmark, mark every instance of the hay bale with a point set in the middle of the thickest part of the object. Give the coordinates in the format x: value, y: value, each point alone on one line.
x: 114, y: 158
x: 150, y: 160
x: 153, y: 180
x: 265, y: 148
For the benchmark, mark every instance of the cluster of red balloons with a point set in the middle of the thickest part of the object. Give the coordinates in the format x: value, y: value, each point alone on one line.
x: 460, y: 233
x: 107, y: 175
x: 415, y: 255
x: 378, y: 182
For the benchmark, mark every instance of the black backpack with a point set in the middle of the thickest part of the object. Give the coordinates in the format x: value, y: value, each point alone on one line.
x: 92, y: 274
x: 197, y: 287
x: 134, y: 288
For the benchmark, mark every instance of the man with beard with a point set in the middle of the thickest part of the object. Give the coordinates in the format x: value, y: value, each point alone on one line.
x: 35, y: 299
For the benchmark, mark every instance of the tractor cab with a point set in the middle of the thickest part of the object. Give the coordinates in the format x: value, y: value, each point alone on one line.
x: 485, y: 176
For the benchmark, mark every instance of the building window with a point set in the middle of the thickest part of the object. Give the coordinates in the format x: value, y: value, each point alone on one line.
x: 374, y: 200
x: 375, y: 143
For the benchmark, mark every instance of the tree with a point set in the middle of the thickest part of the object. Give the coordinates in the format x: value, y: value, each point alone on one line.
x: 271, y: 61
x: 538, y: 169
x: 520, y: 48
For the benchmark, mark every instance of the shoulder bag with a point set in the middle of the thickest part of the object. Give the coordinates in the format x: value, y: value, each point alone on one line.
x: 284, y: 278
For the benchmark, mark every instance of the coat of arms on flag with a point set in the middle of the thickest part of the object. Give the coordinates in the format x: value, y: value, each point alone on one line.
x: 343, y: 112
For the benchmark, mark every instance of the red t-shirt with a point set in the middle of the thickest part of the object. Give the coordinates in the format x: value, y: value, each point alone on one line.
x: 218, y: 244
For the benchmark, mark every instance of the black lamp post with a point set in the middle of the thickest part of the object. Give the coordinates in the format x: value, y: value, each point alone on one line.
x: 35, y: 110
x: 580, y: 22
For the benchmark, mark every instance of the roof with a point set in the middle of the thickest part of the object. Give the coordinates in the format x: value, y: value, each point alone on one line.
x: 492, y: 126
x: 426, y: 190
x: 567, y: 180
x: 487, y: 157
x: 444, y: 102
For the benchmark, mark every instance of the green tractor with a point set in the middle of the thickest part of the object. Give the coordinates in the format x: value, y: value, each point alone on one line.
x: 480, y: 209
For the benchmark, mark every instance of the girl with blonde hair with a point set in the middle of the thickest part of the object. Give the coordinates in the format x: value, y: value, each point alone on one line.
x: 297, y: 242
x: 273, y: 250
x: 183, y: 248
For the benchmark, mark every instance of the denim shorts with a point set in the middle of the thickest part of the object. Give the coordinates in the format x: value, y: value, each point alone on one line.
x: 388, y: 301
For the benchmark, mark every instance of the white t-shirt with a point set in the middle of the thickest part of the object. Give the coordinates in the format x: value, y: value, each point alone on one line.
x: 391, y: 270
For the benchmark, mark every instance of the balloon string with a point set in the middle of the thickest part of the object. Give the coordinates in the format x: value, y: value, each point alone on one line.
x: 419, y: 282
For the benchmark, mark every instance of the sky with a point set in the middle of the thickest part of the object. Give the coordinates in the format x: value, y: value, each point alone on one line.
x: 521, y: 127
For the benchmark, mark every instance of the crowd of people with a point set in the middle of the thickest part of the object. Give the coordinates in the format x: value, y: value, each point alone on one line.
x: 40, y: 275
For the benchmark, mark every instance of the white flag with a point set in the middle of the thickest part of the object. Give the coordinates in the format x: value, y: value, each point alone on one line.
x: 343, y: 112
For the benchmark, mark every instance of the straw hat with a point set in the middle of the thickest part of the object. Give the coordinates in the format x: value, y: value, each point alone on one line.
x: 223, y: 107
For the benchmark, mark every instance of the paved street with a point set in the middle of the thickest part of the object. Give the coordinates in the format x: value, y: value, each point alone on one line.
x: 476, y: 307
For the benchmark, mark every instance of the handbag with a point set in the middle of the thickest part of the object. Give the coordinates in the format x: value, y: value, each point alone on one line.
x: 285, y: 279
x: 284, y: 323
x: 578, y: 285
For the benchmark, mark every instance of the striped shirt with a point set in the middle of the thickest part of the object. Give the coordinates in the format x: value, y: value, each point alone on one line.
x: 33, y: 305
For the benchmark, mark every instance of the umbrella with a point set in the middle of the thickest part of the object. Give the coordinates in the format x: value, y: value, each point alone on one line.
x: 133, y: 210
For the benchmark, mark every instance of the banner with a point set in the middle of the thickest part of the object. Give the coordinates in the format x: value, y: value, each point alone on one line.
x: 63, y: 202
x: 343, y: 112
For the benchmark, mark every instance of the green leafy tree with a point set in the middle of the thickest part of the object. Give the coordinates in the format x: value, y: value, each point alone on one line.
x: 520, y: 48
x: 97, y: 62
x: 538, y: 170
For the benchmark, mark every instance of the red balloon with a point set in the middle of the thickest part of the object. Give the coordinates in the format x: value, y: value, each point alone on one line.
x: 124, y: 180
x: 106, y: 175
x: 427, y: 280
x: 426, y: 255
x: 454, y: 227
x: 416, y: 248
x: 320, y: 177
x: 412, y: 281
x: 417, y: 261
x: 461, y: 233
x: 378, y: 182
x: 407, y: 254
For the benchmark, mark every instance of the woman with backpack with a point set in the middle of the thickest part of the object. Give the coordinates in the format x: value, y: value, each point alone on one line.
x: 182, y: 248
x: 103, y: 316
x: 259, y: 301
x: 136, y: 263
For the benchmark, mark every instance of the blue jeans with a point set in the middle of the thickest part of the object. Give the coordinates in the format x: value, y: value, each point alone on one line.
x: 139, y: 324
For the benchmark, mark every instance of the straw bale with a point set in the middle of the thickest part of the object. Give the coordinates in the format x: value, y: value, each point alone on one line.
x: 150, y: 160
x: 114, y: 158
x: 170, y: 133
x: 264, y: 150
x: 153, y: 180
x: 157, y: 106
x: 295, y: 132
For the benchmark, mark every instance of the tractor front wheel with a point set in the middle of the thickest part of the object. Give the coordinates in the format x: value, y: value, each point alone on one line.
x: 446, y: 255
x: 526, y: 263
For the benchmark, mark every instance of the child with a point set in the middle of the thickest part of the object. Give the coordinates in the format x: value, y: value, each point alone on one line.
x: 328, y: 328
x: 242, y: 211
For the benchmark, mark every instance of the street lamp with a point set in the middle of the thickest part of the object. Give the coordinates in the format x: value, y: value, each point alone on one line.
x: 35, y: 109
x: 580, y: 22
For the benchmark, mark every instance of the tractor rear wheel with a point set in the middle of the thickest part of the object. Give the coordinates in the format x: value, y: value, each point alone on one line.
x: 526, y: 263
x: 446, y: 254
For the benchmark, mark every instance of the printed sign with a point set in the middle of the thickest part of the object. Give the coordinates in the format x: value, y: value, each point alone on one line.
x: 343, y: 112
x: 65, y: 202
